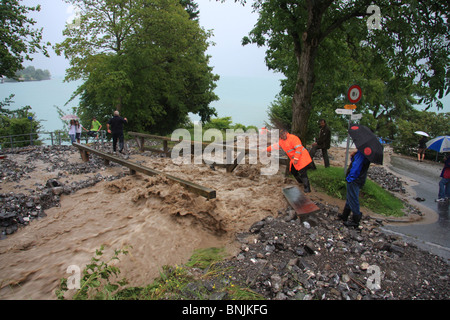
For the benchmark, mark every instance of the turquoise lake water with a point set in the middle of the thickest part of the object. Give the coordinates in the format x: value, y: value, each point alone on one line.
x: 245, y: 99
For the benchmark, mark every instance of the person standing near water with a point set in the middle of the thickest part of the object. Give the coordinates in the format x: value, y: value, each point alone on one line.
x: 95, y: 128
x: 72, y: 131
x: 78, y: 131
x: 115, y: 127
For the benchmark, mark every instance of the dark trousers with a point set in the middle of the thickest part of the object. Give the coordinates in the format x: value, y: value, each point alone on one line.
x: 326, y: 160
x: 93, y: 134
x: 302, y: 177
x: 118, y: 136
x: 353, y: 198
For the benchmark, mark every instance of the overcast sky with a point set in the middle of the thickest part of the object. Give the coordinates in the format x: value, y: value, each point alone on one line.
x: 229, y: 21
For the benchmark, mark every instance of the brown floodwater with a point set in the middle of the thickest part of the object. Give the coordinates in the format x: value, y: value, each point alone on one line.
x: 160, y: 222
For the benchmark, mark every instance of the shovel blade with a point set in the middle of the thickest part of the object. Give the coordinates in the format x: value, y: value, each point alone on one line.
x: 299, y: 201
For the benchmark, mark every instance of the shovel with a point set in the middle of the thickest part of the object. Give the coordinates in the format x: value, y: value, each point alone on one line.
x: 302, y: 205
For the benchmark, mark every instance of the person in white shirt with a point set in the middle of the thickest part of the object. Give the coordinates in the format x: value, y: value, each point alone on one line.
x: 72, y: 131
x: 78, y: 130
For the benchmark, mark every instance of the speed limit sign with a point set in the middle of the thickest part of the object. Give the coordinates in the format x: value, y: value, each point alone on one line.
x: 354, y: 94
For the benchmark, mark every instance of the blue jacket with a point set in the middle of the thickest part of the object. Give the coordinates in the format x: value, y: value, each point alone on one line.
x: 357, y: 172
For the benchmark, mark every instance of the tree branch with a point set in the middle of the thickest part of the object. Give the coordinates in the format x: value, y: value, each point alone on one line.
x: 359, y: 11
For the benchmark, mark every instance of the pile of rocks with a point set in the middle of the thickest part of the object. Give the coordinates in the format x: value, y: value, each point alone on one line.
x: 13, y: 172
x: 319, y: 258
x: 385, y: 179
x: 19, y: 209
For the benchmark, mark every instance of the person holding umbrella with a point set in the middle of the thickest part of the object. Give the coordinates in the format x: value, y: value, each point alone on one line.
x: 369, y: 149
x: 422, y: 145
x: 72, y: 131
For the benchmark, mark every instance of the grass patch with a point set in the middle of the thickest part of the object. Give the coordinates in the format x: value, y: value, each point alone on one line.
x: 332, y: 181
x: 199, y: 279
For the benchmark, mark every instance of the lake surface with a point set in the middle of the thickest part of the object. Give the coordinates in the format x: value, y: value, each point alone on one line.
x: 42, y: 97
x: 245, y: 99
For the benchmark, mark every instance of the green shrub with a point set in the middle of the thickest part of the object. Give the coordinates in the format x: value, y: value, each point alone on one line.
x: 332, y: 181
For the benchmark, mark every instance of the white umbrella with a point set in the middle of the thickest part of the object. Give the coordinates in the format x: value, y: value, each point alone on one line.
x: 421, y: 133
x: 439, y: 144
x: 70, y: 117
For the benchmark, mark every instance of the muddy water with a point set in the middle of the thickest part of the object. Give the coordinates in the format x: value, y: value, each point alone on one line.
x: 161, y: 221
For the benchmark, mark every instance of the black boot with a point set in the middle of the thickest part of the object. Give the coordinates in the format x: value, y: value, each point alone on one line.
x: 345, y: 214
x: 354, y: 222
x: 306, y: 185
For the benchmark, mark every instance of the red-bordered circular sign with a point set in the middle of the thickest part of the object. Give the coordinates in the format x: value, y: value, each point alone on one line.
x: 354, y: 94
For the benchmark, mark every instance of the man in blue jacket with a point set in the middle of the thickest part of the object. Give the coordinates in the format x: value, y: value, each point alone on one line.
x: 356, y: 178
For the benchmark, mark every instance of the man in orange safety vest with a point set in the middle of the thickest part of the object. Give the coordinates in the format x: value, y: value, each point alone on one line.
x: 298, y: 155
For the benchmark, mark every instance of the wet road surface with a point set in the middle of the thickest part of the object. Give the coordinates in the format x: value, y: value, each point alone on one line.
x: 435, y: 236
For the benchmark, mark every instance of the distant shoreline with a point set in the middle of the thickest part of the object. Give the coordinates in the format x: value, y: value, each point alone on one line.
x: 7, y: 80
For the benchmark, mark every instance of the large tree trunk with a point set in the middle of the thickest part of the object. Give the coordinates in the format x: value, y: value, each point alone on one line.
x: 306, y: 52
x: 301, y: 102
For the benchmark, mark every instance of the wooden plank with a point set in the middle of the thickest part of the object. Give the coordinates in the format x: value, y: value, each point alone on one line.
x: 204, y: 144
x: 302, y: 205
x: 231, y: 167
x: 134, y: 167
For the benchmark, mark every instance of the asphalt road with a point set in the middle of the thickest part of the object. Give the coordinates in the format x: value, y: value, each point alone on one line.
x: 435, y: 236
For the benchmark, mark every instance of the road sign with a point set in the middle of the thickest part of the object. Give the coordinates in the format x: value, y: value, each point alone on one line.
x: 350, y: 106
x: 354, y: 94
x: 356, y: 116
x: 343, y: 111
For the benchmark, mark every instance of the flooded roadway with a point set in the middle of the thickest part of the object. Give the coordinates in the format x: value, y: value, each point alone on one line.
x: 434, y: 236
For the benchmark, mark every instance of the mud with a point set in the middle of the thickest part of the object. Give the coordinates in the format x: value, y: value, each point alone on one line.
x: 158, y: 220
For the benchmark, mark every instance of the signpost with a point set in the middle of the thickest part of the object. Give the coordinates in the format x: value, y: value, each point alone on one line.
x: 356, y: 116
x: 354, y: 95
x: 344, y: 111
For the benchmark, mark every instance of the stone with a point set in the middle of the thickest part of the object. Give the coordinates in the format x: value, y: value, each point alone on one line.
x: 256, y: 227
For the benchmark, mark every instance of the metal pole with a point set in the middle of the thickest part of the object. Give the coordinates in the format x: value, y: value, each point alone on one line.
x: 31, y: 130
x: 348, y: 147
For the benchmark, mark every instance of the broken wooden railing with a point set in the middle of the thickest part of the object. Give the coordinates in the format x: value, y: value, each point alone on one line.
x: 141, y: 137
x: 134, y: 167
x: 241, y: 152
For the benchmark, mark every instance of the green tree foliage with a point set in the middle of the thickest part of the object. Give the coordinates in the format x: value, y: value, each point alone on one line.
x: 435, y: 124
x: 145, y: 58
x: 16, y: 123
x: 17, y: 42
x: 325, y: 46
x: 17, y: 38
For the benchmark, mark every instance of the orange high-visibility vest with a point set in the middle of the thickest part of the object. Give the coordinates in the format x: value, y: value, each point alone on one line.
x: 263, y: 130
x: 294, y: 150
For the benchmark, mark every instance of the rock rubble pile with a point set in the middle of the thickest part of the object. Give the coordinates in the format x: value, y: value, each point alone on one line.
x: 19, y: 209
x: 285, y: 258
x: 385, y: 179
